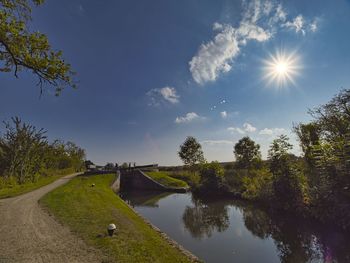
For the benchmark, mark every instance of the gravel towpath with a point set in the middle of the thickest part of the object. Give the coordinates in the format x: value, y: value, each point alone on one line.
x: 30, y: 234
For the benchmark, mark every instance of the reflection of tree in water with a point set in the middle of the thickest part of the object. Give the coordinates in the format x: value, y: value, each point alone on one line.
x: 205, y: 218
x: 298, y: 240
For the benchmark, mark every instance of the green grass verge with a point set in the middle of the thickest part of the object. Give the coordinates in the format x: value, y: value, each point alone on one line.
x: 88, y: 211
x: 13, y: 189
x: 166, y: 180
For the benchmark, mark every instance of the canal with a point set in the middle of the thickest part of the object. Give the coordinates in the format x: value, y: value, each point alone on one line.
x: 235, y: 231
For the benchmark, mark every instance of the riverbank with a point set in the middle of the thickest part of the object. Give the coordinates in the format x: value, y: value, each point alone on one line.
x: 88, y: 210
x: 11, y: 189
x: 163, y: 178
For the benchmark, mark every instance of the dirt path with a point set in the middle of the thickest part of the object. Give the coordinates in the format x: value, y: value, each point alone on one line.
x: 29, y: 234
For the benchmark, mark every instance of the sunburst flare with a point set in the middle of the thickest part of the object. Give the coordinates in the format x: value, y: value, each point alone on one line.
x: 281, y: 69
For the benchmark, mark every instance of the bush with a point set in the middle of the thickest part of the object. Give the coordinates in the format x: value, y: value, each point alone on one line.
x: 258, y: 185
x: 212, y: 179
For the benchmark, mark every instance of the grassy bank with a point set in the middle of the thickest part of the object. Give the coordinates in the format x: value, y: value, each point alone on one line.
x: 164, y: 178
x: 9, y: 187
x: 88, y: 210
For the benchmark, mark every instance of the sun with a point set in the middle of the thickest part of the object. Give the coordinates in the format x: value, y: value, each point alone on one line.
x: 281, y: 69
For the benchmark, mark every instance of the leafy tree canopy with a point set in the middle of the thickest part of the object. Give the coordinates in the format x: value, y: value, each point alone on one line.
x: 21, y: 49
x: 247, y: 152
x: 191, y: 152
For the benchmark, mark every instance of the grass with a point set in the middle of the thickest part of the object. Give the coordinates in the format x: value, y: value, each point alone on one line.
x: 187, y: 176
x: 166, y: 180
x: 11, y: 188
x: 88, y: 211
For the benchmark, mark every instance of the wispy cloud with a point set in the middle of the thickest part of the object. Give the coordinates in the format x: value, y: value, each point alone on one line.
x: 300, y: 25
x: 272, y: 131
x: 260, y: 21
x: 236, y: 129
x: 215, y: 56
x: 159, y: 96
x: 216, y: 142
x: 223, y: 114
x: 189, y: 117
x: 246, y: 128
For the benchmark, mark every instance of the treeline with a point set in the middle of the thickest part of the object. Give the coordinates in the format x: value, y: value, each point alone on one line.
x: 316, y: 184
x: 26, y: 154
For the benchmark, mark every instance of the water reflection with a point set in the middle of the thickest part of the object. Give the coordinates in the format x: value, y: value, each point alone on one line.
x: 203, y: 218
x: 296, y: 239
x: 146, y: 198
x: 216, y: 222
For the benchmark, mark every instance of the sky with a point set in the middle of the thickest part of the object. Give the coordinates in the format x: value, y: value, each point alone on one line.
x: 151, y: 73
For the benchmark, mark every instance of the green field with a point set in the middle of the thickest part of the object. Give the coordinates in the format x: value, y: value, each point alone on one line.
x: 9, y: 189
x: 166, y: 180
x: 88, y: 211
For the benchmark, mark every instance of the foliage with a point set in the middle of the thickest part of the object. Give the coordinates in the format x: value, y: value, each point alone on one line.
x: 21, y: 49
x: 109, y: 166
x: 326, y: 145
x: 88, y: 210
x: 23, y: 150
x: 191, y: 152
x: 26, y: 155
x: 124, y: 166
x: 289, y: 183
x: 9, y: 186
x: 247, y: 153
x: 211, y: 179
x: 258, y: 185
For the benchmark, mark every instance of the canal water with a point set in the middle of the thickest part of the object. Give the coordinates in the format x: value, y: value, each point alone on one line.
x: 235, y: 231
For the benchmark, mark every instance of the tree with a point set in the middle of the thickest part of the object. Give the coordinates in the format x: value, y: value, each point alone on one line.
x: 278, y: 154
x: 334, y: 116
x: 309, y: 138
x: 326, y: 143
x: 23, y: 147
x: 21, y: 49
x: 124, y: 166
x: 289, y: 182
x: 26, y: 155
x: 191, y: 152
x: 247, y: 153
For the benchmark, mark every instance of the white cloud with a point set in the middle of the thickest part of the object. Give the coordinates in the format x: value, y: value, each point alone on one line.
x: 260, y: 21
x: 223, y: 114
x: 297, y: 24
x: 281, y: 15
x: 266, y: 131
x: 248, y: 127
x: 267, y: 7
x: 191, y: 116
x: 169, y: 94
x: 166, y: 94
x: 273, y: 131
x: 235, y: 129
x: 216, y: 142
x: 314, y: 26
x: 300, y: 25
x: 214, y: 57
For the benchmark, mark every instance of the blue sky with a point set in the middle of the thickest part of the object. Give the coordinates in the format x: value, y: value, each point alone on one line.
x: 153, y: 72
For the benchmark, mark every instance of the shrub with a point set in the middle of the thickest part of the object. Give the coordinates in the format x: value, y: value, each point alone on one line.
x: 212, y: 178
